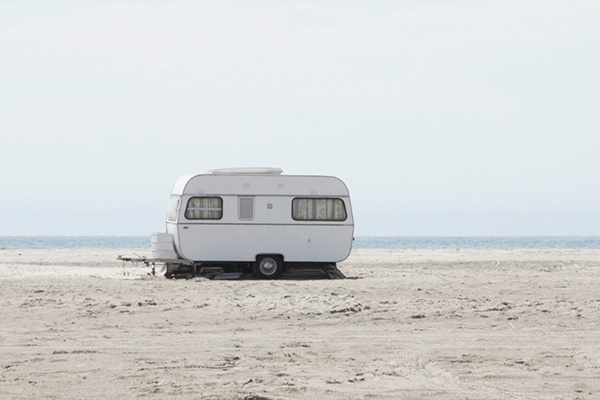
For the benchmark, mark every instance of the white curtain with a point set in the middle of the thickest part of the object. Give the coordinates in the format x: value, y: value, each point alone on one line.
x: 204, y: 208
x: 312, y: 209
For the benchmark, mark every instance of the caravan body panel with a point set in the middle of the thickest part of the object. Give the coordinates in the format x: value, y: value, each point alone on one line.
x: 234, y: 217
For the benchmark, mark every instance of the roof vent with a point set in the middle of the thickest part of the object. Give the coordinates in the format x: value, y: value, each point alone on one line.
x: 245, y: 171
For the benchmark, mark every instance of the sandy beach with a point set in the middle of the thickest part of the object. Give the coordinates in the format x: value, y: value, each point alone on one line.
x: 406, y: 324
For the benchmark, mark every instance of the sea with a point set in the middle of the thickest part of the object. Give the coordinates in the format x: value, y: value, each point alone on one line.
x: 360, y: 242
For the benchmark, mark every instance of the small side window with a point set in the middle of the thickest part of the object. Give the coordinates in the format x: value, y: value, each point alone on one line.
x: 318, y: 209
x: 246, y: 208
x: 204, y: 208
x: 173, y: 207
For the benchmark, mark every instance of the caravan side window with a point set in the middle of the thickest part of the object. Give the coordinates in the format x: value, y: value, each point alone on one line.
x: 318, y: 209
x: 173, y: 207
x: 204, y: 208
x: 246, y: 208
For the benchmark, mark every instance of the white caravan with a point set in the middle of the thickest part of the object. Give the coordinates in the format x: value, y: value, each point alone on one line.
x: 255, y: 218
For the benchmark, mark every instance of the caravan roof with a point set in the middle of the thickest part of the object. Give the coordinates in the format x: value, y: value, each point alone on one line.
x: 245, y: 171
x: 258, y: 181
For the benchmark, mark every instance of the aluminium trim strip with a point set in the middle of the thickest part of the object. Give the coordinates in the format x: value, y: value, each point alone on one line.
x: 254, y: 224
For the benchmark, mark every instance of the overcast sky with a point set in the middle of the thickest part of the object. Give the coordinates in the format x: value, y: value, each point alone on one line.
x: 442, y: 117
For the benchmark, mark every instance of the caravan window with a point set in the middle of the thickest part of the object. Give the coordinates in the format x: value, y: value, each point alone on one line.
x: 173, y: 207
x: 246, y: 211
x: 315, y: 209
x: 204, y: 208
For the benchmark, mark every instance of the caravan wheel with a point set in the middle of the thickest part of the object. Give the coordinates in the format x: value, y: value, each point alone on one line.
x: 268, y: 267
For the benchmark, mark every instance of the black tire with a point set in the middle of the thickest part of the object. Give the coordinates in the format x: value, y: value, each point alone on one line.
x: 268, y: 266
